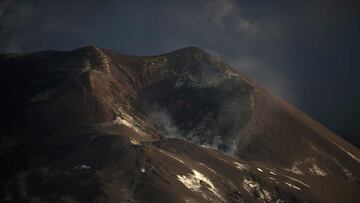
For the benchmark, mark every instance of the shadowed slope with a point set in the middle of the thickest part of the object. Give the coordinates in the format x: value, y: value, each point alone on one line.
x: 91, y: 125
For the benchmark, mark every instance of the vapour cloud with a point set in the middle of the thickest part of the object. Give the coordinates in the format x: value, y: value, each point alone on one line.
x: 163, y: 121
x: 13, y: 15
x: 226, y: 15
x: 265, y: 75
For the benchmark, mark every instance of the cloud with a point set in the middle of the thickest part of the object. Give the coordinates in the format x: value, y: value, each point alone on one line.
x: 162, y: 121
x: 13, y: 16
x: 265, y: 75
x: 226, y: 15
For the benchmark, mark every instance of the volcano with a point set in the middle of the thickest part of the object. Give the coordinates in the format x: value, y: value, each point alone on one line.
x: 92, y: 125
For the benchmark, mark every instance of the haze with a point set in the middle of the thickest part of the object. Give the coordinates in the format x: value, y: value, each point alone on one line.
x: 307, y: 53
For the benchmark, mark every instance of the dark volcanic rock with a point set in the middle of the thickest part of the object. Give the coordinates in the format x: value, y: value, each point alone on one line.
x: 91, y: 125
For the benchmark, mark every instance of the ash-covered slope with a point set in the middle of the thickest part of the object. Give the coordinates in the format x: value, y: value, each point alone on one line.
x: 91, y: 125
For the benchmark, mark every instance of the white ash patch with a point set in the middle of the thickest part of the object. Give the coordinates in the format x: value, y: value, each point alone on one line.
x: 105, y: 60
x: 343, y: 149
x: 124, y: 118
x: 340, y: 147
x: 243, y: 167
x: 231, y: 74
x: 208, y: 168
x: 87, y: 66
x: 272, y: 173
x: 292, y: 186
x: 253, y: 187
x: 259, y: 169
x: 197, y: 182
x: 265, y: 195
x: 134, y: 142
x: 348, y: 174
x: 83, y: 166
x: 205, y: 145
x: 172, y: 156
x: 295, y: 168
x: 128, y: 123
x: 350, y: 154
x: 316, y: 170
x: 299, y: 181
x: 248, y: 185
x: 310, y: 164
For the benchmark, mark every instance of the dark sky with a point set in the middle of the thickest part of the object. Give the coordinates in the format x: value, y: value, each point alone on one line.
x: 307, y: 53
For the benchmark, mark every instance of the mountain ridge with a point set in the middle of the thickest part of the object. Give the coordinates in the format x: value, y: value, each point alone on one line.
x: 91, y: 103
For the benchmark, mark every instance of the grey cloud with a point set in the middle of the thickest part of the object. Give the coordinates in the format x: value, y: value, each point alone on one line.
x: 265, y: 75
x: 13, y: 16
x: 162, y: 121
x: 226, y: 15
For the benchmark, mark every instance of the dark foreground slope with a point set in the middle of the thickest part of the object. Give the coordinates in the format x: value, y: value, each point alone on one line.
x: 91, y: 125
